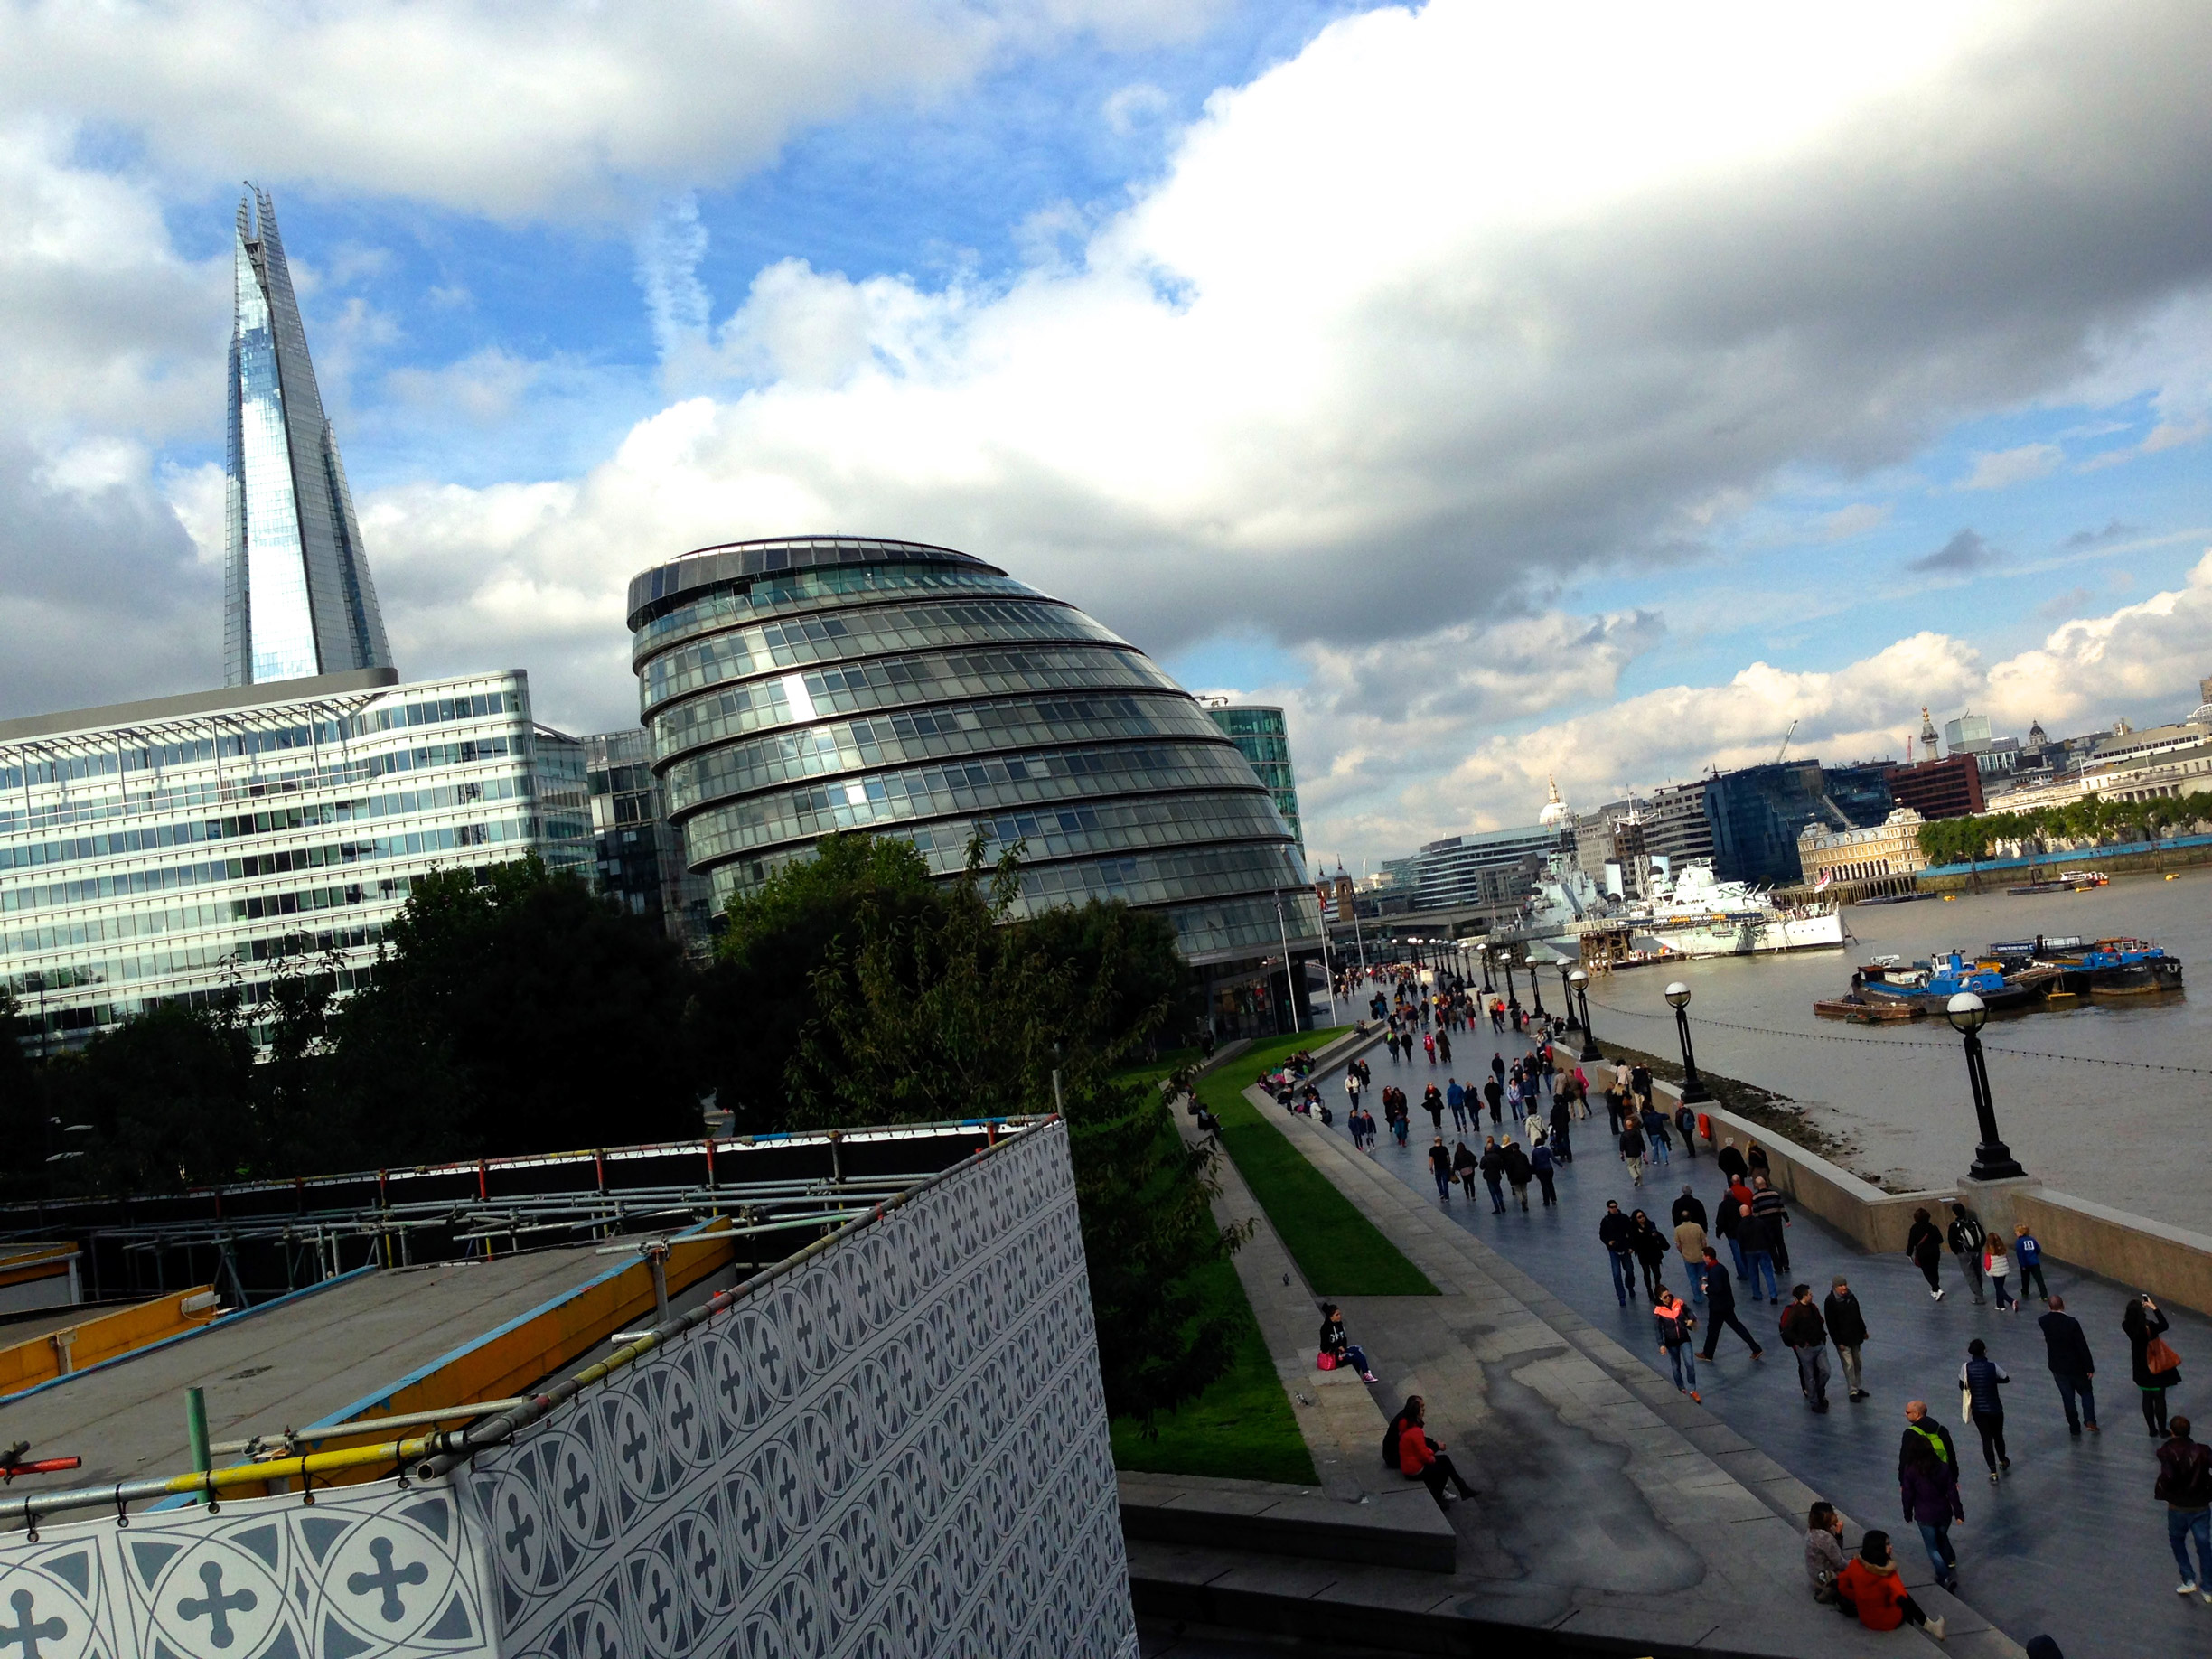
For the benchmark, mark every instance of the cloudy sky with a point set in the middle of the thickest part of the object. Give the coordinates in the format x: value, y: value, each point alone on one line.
x: 1583, y: 389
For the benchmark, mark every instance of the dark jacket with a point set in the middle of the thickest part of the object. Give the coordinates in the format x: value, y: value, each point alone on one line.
x: 1803, y: 1327
x: 2067, y: 1345
x: 1732, y: 1163
x: 1687, y: 1208
x: 1846, y: 1324
x: 1616, y: 1230
x: 1492, y: 1163
x: 1632, y: 1141
x: 1980, y: 1378
x: 1930, y: 1493
x: 2142, y: 1324
x: 1332, y: 1338
x: 1924, y: 1243
x: 1730, y: 1222
x: 1464, y: 1161
x: 1917, y: 1439
x: 1769, y: 1214
x: 1965, y: 1235
x: 1494, y: 1092
x: 1674, y: 1323
x: 1517, y: 1171
x: 2185, y: 1474
x: 1719, y: 1292
x: 1649, y: 1243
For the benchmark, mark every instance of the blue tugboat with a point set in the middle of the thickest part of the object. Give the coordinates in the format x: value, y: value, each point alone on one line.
x: 2111, y: 967
x: 1930, y: 985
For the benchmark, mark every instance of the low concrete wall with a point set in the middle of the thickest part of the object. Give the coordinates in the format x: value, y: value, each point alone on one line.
x: 2174, y: 1264
x: 1862, y: 1212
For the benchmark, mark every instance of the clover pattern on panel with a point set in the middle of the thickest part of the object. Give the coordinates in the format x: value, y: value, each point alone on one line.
x: 899, y: 1448
x: 386, y: 1571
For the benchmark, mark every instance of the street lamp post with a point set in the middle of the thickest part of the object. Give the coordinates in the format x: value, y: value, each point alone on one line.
x: 1694, y: 1091
x: 1580, y: 981
x: 1513, y: 998
x: 1993, y: 1160
x: 1536, y: 990
x: 1567, y: 995
x: 1482, y: 950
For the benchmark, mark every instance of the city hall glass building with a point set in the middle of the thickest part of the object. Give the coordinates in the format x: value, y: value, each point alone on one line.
x: 796, y: 687
x: 171, y: 849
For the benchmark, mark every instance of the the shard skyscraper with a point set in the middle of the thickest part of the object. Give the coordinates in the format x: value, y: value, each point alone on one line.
x: 297, y: 599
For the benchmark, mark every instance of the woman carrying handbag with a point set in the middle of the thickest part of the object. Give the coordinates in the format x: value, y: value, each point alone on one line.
x: 2157, y: 1366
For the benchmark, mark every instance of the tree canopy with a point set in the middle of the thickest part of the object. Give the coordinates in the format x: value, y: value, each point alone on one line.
x: 2090, y: 820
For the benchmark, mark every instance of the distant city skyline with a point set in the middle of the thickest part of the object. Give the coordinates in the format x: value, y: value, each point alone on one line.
x: 1588, y: 392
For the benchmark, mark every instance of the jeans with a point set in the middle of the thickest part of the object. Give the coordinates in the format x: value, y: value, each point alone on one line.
x: 1443, y: 1181
x: 1660, y: 1149
x: 1685, y: 1366
x: 1735, y: 1250
x: 1459, y: 1119
x: 1761, y: 1264
x: 1624, y: 1274
x: 1497, y: 1195
x: 1997, y: 1289
x: 2069, y: 1387
x: 1355, y: 1357
x: 1812, y: 1374
x: 1694, y: 1271
x: 1848, y: 1352
x: 2180, y: 1524
x: 1936, y: 1539
x: 2033, y: 1270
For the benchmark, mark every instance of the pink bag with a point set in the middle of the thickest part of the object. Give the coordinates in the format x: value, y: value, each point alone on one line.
x: 1326, y: 1361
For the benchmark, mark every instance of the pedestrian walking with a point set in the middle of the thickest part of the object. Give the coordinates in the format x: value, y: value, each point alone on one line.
x: 1517, y: 1172
x: 1675, y: 1322
x: 1688, y: 1207
x: 1429, y: 1044
x: 2066, y: 1347
x: 1494, y: 1092
x: 1685, y: 1120
x: 1927, y: 1479
x: 1924, y: 1244
x: 1616, y: 1234
x: 1337, y: 1349
x: 1979, y: 1380
x: 1498, y: 1067
x: 1728, y: 1224
x: 1965, y: 1236
x: 1562, y: 1121
x: 1651, y: 1247
x: 1400, y: 1120
x: 1720, y: 1308
x: 1465, y: 1167
x: 1421, y: 1459
x: 1997, y: 1268
x: 1690, y: 1241
x: 1454, y: 1097
x: 1732, y: 1163
x: 1756, y: 1164
x: 1632, y: 1149
x: 1440, y: 1166
x: 1493, y: 1173
x: 1846, y: 1329
x: 1805, y: 1333
x: 2028, y: 1251
x: 1443, y: 1046
x: 1773, y: 1218
x: 2185, y: 1481
x: 1655, y: 1134
x: 1761, y: 1229
x: 1433, y: 1102
x: 2157, y: 1366
x: 1541, y: 1160
x: 1870, y: 1588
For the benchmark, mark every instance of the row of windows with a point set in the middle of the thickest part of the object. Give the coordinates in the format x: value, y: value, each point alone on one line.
x: 1163, y: 877
x: 960, y: 788
x: 1064, y: 832
x: 927, y: 734
x: 81, y: 1018
x: 876, y: 633
x: 1252, y: 924
x: 437, y: 711
x: 709, y: 566
x: 150, y: 923
x: 275, y: 821
x: 197, y: 959
x: 757, y: 598
x: 893, y: 683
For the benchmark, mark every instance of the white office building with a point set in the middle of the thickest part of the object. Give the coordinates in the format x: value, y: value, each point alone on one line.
x: 178, y: 848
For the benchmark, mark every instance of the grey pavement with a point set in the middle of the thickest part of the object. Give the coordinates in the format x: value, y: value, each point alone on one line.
x: 1608, y: 1510
x: 2070, y: 1542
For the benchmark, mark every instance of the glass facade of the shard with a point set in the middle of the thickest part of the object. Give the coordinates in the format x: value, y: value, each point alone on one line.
x: 795, y: 686
x: 297, y: 600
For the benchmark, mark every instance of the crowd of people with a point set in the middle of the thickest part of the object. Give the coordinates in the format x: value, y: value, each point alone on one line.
x: 1543, y: 1094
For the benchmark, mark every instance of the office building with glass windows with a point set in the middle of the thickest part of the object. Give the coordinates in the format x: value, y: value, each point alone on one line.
x: 795, y: 686
x: 639, y: 854
x: 297, y: 600
x: 1262, y: 736
x: 178, y: 848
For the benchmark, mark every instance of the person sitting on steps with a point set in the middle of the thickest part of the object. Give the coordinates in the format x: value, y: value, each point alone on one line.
x: 1339, y: 1349
x: 1421, y: 1459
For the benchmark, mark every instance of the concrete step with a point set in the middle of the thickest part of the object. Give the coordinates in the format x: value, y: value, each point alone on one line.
x: 1388, y: 1529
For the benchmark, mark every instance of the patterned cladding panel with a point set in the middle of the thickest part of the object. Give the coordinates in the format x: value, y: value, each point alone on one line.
x: 899, y: 1449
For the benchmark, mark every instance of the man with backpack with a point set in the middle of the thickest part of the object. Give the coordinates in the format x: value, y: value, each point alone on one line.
x: 1966, y: 1238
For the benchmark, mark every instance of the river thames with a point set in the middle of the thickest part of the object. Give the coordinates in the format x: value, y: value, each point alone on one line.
x: 2128, y: 1136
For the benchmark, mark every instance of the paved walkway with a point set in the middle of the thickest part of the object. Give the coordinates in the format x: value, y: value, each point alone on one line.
x: 2071, y: 1541
x: 1609, y: 1508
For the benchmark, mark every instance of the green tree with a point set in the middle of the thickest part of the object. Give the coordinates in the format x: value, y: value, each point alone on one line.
x: 516, y: 1011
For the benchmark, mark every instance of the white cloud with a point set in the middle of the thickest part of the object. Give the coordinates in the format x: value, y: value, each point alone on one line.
x: 2001, y: 469
x: 558, y: 111
x: 1855, y: 519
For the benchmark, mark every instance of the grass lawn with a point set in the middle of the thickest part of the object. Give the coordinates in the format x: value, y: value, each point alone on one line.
x: 1242, y: 1428
x: 1340, y: 1251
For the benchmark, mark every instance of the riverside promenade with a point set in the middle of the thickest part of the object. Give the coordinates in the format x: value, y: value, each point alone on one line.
x: 1611, y: 1515
x: 2070, y: 1543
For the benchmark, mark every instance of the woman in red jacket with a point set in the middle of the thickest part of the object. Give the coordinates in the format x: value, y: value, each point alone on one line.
x: 1421, y: 1459
x: 1870, y: 1587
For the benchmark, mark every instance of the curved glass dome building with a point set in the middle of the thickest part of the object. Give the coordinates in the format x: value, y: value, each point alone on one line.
x: 795, y: 686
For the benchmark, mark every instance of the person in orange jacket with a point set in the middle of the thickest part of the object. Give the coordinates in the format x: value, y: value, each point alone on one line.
x: 1869, y: 1586
x: 1421, y: 1459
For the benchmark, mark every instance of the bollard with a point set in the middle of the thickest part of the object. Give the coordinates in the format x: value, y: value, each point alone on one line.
x: 196, y: 1429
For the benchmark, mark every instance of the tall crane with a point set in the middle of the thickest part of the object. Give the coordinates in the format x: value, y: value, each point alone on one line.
x: 1786, y: 740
